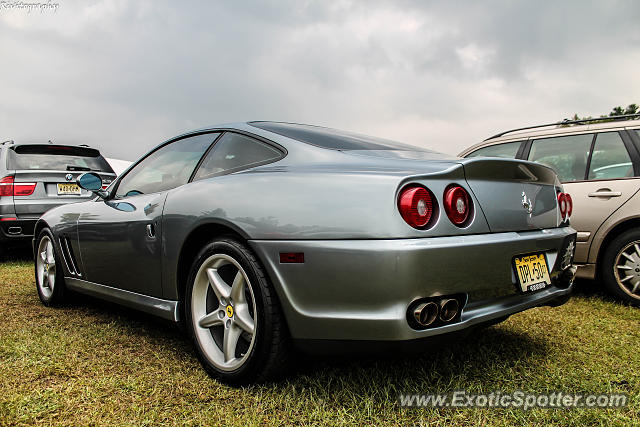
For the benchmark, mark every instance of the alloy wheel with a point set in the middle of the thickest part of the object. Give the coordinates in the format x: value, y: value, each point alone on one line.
x: 627, y: 269
x: 46, y: 267
x: 223, y: 312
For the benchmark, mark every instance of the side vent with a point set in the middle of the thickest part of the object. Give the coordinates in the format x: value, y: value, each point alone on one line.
x: 68, y: 256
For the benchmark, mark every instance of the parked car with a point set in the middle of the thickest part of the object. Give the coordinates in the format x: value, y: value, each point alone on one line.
x: 37, y: 177
x: 599, y: 166
x: 259, y: 235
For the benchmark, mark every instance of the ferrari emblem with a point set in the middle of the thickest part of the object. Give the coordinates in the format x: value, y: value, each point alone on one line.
x: 527, y: 204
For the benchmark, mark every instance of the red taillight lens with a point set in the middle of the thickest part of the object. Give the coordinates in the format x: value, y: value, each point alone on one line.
x: 23, y: 188
x: 10, y: 188
x: 565, y: 204
x: 562, y: 205
x: 415, y: 204
x: 6, y: 186
x: 457, y: 205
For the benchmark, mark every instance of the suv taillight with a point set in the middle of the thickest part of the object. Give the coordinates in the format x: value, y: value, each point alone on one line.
x: 457, y: 205
x: 416, y: 205
x: 6, y: 186
x: 10, y: 188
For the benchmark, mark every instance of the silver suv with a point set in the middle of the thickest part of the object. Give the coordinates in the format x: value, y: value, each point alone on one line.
x: 598, y: 163
x: 37, y: 177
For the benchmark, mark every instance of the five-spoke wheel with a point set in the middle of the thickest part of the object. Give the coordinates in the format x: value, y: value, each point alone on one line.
x: 224, y: 305
x: 46, y: 266
x: 233, y: 315
x: 49, y: 279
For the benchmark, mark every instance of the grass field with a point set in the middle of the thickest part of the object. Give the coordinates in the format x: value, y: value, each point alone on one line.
x: 95, y: 363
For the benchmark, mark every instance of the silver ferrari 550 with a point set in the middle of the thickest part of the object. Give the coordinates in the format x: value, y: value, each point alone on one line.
x: 257, y: 236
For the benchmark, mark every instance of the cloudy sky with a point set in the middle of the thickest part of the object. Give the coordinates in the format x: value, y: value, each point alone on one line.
x: 123, y: 76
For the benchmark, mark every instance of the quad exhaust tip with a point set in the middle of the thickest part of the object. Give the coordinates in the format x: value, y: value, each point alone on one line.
x: 426, y: 313
x: 434, y: 312
x: 448, y: 309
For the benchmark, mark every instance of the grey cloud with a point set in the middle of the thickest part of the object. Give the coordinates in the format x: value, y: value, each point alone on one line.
x: 124, y: 76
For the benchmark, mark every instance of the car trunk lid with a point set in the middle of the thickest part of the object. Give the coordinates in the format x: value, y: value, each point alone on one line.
x: 514, y: 195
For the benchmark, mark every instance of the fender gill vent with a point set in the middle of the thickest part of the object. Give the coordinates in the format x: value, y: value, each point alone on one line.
x: 69, y: 258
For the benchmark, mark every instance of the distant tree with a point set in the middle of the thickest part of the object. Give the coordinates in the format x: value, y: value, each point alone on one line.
x: 615, y: 111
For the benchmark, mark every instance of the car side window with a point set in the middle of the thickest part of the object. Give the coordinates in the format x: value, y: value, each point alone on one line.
x: 167, y: 167
x: 233, y: 152
x: 507, y: 150
x: 567, y: 155
x: 610, y: 158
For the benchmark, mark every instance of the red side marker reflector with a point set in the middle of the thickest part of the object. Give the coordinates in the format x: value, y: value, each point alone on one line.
x: 291, y: 257
x: 9, y: 219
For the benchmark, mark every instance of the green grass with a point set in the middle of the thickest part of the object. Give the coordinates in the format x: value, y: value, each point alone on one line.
x: 93, y: 363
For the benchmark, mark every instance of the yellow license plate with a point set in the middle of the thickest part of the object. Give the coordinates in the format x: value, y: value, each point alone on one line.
x: 533, y: 272
x: 64, y: 189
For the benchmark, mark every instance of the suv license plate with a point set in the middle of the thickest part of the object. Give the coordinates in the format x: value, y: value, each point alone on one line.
x: 64, y: 189
x: 533, y: 272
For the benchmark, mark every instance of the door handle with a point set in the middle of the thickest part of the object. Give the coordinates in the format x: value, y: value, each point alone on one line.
x: 151, y: 230
x: 607, y: 193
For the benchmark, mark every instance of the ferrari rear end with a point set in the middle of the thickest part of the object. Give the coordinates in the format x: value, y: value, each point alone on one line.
x: 484, y: 239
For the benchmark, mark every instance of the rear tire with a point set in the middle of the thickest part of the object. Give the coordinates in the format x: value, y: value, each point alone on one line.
x: 233, y: 315
x: 621, y: 267
x: 48, y: 271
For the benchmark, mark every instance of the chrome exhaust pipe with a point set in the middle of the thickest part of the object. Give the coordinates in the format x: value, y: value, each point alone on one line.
x: 448, y: 309
x: 426, y: 313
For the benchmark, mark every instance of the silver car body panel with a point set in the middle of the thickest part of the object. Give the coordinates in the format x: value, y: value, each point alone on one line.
x: 363, y: 263
x: 361, y: 289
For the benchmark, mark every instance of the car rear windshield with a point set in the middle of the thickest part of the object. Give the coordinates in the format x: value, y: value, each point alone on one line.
x: 332, y: 138
x: 56, y: 157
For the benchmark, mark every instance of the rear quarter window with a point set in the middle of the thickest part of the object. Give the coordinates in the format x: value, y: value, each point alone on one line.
x: 507, y: 150
x: 56, y: 157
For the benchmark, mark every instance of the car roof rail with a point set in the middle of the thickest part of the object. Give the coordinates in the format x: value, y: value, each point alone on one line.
x: 567, y: 122
x: 83, y: 145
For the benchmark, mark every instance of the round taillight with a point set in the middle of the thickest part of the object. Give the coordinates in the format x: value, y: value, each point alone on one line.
x: 567, y: 197
x: 415, y: 205
x: 562, y: 205
x: 457, y: 205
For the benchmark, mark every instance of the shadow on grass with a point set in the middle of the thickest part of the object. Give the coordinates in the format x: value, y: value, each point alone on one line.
x: 480, y: 357
x: 584, y: 288
x: 20, y: 253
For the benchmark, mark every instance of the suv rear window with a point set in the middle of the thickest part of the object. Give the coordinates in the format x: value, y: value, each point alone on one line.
x: 56, y: 157
x: 332, y: 138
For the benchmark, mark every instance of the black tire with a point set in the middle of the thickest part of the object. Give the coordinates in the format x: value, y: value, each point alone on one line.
x: 49, y: 297
x: 267, y: 351
x: 614, y: 277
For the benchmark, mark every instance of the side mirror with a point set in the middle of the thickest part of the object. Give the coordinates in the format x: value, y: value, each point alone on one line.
x: 91, y: 181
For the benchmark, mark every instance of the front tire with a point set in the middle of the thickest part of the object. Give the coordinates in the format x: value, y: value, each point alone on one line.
x: 48, y: 271
x: 621, y: 267
x: 233, y: 315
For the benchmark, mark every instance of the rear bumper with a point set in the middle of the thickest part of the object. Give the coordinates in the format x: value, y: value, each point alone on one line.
x: 362, y: 289
x: 18, y: 230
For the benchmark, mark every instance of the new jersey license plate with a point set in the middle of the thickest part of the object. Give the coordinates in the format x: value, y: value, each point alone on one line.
x: 64, y: 189
x: 533, y: 272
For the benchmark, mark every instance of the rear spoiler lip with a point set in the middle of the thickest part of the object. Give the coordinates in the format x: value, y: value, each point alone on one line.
x: 528, y: 165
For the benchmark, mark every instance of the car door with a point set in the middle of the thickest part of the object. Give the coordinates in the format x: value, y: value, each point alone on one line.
x: 120, y: 238
x: 597, y: 171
